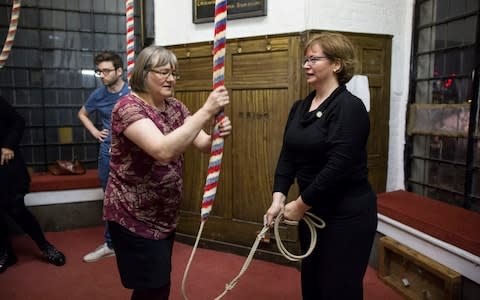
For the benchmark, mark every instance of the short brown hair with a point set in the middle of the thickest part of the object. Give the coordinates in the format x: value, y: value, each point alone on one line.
x: 336, y: 47
x: 109, y: 56
x: 150, y: 57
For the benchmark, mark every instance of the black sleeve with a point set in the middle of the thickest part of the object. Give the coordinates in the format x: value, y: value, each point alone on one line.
x: 347, y: 137
x: 285, y: 171
x: 14, y: 125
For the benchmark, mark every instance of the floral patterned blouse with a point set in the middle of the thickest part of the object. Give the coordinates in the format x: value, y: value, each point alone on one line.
x: 143, y: 194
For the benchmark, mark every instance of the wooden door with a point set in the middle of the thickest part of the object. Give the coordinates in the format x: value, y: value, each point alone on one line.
x: 263, y: 83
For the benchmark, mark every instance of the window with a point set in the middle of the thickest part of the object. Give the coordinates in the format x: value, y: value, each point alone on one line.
x: 443, y: 144
x: 50, y: 72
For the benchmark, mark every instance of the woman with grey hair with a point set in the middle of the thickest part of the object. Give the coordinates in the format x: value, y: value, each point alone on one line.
x: 151, y: 130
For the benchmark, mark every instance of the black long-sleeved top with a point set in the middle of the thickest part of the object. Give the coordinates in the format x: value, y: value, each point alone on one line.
x: 325, y: 150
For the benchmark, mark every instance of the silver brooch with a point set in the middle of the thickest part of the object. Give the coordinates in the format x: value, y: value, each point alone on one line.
x: 319, y: 114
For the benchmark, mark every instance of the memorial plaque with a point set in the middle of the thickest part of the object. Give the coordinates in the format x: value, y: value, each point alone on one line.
x: 204, y: 10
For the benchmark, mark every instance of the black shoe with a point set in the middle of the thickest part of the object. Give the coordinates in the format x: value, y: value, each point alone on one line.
x: 53, y: 256
x: 7, y: 259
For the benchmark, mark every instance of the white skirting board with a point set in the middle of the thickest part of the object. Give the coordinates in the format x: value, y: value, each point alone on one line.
x: 455, y: 258
x: 64, y: 196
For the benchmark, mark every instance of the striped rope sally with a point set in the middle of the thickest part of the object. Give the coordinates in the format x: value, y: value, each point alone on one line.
x: 130, y: 38
x: 12, y: 30
x: 216, y: 152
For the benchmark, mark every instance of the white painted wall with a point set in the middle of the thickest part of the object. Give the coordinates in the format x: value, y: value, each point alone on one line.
x: 173, y: 25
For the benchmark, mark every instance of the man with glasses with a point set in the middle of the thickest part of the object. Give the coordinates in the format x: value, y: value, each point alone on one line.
x: 109, y: 68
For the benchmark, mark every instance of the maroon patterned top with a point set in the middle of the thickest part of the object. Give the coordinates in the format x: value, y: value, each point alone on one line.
x: 143, y: 194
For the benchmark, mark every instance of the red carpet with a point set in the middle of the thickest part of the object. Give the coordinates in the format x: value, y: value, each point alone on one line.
x: 31, y: 278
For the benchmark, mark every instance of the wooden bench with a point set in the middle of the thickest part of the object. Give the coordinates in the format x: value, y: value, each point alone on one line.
x: 443, y: 232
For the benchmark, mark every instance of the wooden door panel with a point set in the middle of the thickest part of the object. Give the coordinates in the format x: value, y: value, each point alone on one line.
x: 258, y: 117
x: 195, y: 72
x: 373, y: 56
x: 257, y: 69
x: 196, y: 163
x: 196, y: 166
x: 372, y: 61
x: 259, y: 44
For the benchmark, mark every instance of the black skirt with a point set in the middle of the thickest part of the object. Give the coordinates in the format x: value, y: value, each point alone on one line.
x: 336, y: 267
x: 142, y: 263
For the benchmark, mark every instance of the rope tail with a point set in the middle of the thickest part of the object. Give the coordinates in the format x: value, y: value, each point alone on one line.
x: 308, y: 218
x: 187, y: 269
x: 12, y: 30
x: 229, y: 286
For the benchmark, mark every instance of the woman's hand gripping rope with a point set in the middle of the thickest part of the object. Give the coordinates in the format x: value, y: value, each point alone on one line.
x: 312, y: 222
x: 290, y: 214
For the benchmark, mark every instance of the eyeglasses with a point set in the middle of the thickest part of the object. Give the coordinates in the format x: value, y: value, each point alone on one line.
x: 311, y: 60
x: 105, y: 72
x: 165, y: 73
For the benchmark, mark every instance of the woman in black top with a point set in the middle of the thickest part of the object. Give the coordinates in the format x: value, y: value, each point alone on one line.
x: 14, y: 184
x: 324, y: 149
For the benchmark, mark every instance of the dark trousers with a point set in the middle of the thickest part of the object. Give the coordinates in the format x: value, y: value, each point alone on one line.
x: 15, y: 210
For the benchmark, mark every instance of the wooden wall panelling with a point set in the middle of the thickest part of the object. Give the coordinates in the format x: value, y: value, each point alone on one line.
x: 259, y: 63
x: 374, y: 55
x: 296, y: 77
x: 196, y: 164
x: 258, y: 136
x: 195, y: 67
x: 264, y: 76
x: 259, y: 82
x: 262, y: 83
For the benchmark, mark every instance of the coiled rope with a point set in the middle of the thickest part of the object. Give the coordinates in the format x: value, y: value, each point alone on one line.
x: 12, y: 30
x: 309, y: 219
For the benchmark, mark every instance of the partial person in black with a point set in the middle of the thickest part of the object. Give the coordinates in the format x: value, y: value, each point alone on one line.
x: 324, y: 150
x: 14, y: 184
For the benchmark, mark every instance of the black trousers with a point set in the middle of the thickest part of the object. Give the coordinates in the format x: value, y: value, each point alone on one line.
x: 336, y: 268
x: 15, y: 210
